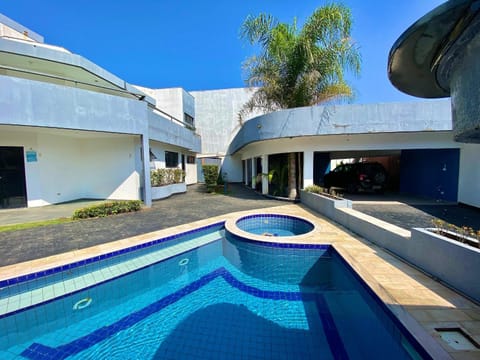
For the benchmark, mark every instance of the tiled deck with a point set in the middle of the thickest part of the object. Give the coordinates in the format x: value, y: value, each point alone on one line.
x: 421, y: 303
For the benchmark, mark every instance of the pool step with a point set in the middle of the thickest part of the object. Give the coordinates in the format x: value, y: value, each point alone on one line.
x: 26, y: 295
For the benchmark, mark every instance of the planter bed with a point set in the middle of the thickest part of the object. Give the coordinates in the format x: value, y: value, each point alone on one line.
x: 162, y: 192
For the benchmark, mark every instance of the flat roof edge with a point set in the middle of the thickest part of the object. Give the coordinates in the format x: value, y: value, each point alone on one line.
x: 20, y: 28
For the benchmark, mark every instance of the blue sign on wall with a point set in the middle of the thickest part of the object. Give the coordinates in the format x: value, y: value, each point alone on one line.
x: 31, y: 156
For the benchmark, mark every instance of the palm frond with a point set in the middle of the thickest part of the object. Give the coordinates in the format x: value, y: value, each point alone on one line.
x: 300, y: 68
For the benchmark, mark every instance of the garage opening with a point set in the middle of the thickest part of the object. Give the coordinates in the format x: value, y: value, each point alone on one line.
x: 12, y: 178
x: 343, y: 173
x: 427, y: 173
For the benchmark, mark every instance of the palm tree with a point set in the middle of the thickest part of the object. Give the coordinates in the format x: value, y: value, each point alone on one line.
x: 299, y: 67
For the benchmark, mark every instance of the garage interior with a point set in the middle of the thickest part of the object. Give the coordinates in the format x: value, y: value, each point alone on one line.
x: 410, y: 171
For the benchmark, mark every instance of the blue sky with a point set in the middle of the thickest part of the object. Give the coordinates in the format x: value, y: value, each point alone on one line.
x: 195, y: 44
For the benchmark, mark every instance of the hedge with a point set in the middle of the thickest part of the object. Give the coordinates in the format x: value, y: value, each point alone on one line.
x: 108, y: 208
x: 210, y: 174
x: 161, y: 177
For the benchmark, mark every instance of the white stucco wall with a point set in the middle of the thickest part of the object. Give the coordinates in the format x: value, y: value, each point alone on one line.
x: 158, y: 149
x: 191, y: 173
x: 110, y: 166
x: 173, y: 101
x: 469, y: 176
x: 232, y: 165
x: 217, y: 119
x: 34, y: 103
x: 72, y: 165
x: 170, y: 101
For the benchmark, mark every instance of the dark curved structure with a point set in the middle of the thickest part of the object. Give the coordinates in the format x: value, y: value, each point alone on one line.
x: 436, y: 57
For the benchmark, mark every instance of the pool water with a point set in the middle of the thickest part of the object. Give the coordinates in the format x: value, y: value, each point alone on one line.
x: 229, y: 299
x: 274, y: 225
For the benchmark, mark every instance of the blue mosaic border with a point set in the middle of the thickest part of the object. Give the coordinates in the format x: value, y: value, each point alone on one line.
x: 38, y: 351
x: 151, y: 243
x: 281, y: 245
x: 100, y: 282
x: 55, y: 270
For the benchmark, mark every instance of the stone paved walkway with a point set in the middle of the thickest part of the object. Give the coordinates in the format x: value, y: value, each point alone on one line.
x: 408, y: 216
x: 196, y: 204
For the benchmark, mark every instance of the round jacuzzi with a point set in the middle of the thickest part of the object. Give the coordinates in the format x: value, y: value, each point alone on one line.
x: 270, y: 225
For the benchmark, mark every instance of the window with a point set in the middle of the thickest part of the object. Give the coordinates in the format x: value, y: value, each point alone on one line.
x: 152, y: 156
x: 188, y: 120
x: 171, y: 159
x: 190, y: 159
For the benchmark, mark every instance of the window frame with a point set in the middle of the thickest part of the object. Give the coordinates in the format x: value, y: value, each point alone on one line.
x: 169, y: 159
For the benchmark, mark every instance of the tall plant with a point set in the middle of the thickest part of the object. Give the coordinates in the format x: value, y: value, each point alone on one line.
x: 299, y: 67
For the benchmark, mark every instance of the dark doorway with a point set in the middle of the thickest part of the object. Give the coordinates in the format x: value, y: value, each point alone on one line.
x: 321, y: 166
x: 278, y: 175
x: 258, y: 175
x: 12, y: 177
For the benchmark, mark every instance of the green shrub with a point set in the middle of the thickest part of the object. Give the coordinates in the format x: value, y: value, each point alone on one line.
x: 315, y: 189
x: 161, y: 177
x: 108, y: 208
x: 323, y: 191
x: 178, y: 176
x: 210, y: 174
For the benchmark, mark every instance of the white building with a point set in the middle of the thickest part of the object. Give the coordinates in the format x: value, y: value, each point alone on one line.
x: 70, y: 129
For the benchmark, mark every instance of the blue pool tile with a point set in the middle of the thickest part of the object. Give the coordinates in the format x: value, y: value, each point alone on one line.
x: 95, y: 259
x: 39, y: 351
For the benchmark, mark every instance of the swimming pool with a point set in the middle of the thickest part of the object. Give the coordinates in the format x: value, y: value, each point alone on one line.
x: 215, y: 296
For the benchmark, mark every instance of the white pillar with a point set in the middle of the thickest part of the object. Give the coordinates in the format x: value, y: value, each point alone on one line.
x: 254, y: 175
x: 265, y: 177
x: 147, y: 187
x: 245, y: 169
x: 307, y: 168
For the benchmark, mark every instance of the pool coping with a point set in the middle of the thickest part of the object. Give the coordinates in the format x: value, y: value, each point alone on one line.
x: 232, y: 227
x: 345, y: 243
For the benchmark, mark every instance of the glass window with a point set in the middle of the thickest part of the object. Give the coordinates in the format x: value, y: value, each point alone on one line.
x: 171, y: 159
x: 188, y: 120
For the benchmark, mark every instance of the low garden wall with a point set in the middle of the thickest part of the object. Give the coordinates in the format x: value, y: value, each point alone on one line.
x: 166, y: 182
x: 454, y: 263
x: 162, y: 192
x: 323, y: 204
x: 451, y: 261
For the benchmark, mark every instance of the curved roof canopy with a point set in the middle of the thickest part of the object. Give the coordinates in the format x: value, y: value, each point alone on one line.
x: 420, y: 61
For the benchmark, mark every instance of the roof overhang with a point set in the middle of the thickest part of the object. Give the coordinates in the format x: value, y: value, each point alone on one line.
x: 53, y: 64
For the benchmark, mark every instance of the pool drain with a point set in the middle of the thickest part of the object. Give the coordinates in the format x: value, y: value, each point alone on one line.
x: 183, y: 262
x: 82, y: 304
x: 457, y: 339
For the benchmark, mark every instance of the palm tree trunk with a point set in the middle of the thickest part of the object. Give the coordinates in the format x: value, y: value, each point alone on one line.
x: 292, y: 176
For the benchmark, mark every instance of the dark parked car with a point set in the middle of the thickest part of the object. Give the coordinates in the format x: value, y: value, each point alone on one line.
x: 370, y: 176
